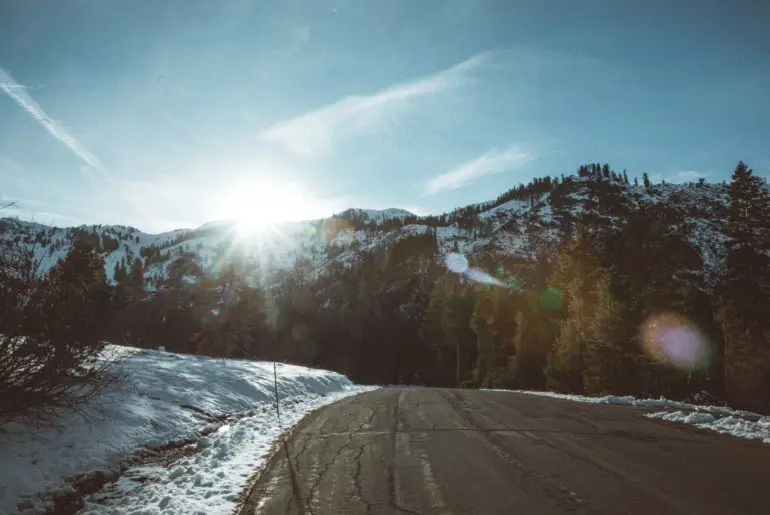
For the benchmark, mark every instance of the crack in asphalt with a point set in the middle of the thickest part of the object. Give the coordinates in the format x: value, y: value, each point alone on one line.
x: 579, y: 454
x: 391, y: 472
x: 365, y: 457
x: 327, y: 464
x: 297, y: 493
x: 543, y: 482
x: 357, y: 480
x: 358, y: 461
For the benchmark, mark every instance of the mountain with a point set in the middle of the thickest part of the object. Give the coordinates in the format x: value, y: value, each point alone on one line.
x: 583, y: 284
x: 524, y: 224
x: 374, y: 215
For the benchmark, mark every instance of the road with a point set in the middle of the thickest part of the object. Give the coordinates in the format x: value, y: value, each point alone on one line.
x: 436, y: 451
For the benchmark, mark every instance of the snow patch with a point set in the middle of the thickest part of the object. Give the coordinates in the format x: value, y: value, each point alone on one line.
x: 161, y: 398
x: 735, y: 424
x: 722, y: 419
x: 211, y: 479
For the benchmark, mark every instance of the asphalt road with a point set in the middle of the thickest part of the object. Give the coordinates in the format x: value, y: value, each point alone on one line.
x: 434, y: 451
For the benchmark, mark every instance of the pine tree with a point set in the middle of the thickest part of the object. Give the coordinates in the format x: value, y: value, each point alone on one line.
x: 51, y: 332
x: 493, y: 322
x: 244, y: 323
x: 134, y: 281
x: 485, y: 339
x: 574, y: 275
x: 136, y: 275
x: 605, y: 361
x: 80, y: 310
x: 82, y: 265
x: 119, y: 272
x: 449, y: 314
x: 744, y: 294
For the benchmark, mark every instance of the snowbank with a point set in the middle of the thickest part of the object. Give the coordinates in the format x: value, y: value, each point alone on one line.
x: 737, y: 424
x: 743, y: 424
x: 626, y: 400
x: 164, y: 398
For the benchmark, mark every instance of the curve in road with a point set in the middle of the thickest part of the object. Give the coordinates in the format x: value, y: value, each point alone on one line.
x: 443, y: 451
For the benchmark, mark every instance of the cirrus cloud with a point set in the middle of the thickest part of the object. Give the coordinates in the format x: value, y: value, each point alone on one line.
x: 18, y: 94
x: 318, y: 130
x: 491, y: 162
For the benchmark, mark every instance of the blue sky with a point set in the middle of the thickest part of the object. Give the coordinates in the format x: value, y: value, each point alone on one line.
x: 170, y: 114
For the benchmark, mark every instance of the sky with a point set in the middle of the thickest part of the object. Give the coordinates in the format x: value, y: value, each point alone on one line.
x: 170, y: 114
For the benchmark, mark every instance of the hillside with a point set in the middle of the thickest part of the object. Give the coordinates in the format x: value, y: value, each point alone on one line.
x: 524, y: 228
x: 588, y: 283
x: 154, y: 407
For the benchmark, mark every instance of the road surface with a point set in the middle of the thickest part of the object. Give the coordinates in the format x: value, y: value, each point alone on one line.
x: 435, y: 451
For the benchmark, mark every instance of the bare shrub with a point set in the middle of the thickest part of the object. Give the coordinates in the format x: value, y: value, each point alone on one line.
x: 51, y: 351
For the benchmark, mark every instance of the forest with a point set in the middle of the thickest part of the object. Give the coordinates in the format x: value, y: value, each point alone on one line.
x: 614, y: 310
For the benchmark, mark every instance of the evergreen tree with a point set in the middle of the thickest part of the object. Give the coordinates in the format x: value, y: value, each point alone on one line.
x: 79, y: 308
x: 133, y: 282
x: 450, y: 313
x: 51, y: 331
x: 494, y: 321
x: 744, y: 293
x: 119, y: 272
x: 606, y: 364
x: 574, y: 275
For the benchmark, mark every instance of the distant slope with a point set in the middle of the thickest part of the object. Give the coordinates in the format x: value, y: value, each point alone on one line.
x: 525, y: 228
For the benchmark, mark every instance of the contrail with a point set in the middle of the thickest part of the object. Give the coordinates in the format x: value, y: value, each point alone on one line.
x: 17, y: 92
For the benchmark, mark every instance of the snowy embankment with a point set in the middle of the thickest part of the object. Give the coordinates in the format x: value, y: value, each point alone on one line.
x: 743, y: 424
x: 165, y: 398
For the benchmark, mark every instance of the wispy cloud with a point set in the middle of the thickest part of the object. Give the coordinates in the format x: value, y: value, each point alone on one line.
x: 684, y: 176
x: 687, y: 175
x: 319, y: 130
x: 19, y: 95
x: 491, y: 162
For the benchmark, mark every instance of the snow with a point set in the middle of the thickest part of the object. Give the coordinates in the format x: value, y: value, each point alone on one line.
x: 626, y: 400
x: 740, y: 424
x: 162, y: 398
x: 524, y: 228
x: 415, y: 229
x: 722, y: 419
x: 506, y: 208
x: 376, y: 215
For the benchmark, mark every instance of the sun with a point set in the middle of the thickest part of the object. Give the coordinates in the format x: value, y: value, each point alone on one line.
x: 258, y: 206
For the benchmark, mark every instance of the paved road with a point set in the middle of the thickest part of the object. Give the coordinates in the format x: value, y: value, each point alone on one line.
x: 433, y: 451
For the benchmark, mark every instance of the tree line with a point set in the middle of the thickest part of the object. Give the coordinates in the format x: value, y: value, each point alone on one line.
x: 595, y: 319
x: 621, y: 311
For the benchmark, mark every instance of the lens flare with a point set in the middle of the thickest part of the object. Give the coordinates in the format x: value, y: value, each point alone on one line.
x: 456, y: 262
x: 672, y: 338
x: 479, y: 276
x: 550, y: 299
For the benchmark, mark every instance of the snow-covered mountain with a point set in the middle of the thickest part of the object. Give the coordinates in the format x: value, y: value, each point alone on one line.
x: 524, y: 226
x: 374, y: 215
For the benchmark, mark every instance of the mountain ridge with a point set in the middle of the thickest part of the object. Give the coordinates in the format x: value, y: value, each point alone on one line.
x: 525, y: 222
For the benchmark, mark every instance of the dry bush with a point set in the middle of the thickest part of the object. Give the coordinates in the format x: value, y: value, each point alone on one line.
x: 51, y: 352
